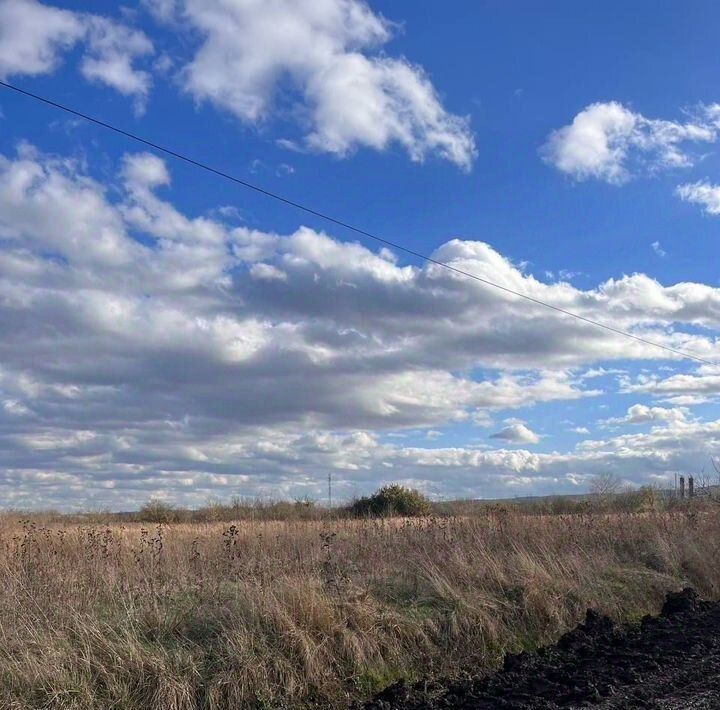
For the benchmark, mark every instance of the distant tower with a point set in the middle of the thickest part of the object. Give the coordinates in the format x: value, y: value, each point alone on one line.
x: 682, y: 486
x: 691, y: 486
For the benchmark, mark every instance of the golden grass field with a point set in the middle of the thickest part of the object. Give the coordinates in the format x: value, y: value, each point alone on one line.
x: 275, y: 614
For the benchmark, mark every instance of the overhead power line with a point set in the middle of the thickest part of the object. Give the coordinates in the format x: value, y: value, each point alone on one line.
x: 346, y: 225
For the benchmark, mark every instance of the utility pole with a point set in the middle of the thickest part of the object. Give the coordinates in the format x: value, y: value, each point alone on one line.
x: 330, y: 490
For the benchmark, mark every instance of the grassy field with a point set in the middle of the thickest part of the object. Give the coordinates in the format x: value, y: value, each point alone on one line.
x: 315, y: 613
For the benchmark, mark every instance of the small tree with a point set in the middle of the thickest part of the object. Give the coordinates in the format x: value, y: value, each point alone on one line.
x: 158, y: 511
x: 392, y: 500
x: 605, y: 484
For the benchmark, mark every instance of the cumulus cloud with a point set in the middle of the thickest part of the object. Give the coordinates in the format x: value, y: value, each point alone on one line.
x: 34, y: 36
x: 516, y: 432
x: 146, y: 350
x: 644, y: 458
x: 643, y: 414
x: 324, y: 58
x: 112, y: 49
x: 610, y: 142
x: 701, y: 193
x: 86, y: 466
x: 681, y: 389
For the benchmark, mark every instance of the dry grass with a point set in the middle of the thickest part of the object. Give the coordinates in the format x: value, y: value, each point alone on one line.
x: 314, y: 613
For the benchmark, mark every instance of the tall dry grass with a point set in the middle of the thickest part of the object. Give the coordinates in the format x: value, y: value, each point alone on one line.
x: 314, y: 613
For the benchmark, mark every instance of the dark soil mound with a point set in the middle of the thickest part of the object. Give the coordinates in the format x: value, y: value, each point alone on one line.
x: 669, y: 661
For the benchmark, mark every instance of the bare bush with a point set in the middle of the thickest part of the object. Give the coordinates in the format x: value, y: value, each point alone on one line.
x: 605, y: 484
x: 159, y: 511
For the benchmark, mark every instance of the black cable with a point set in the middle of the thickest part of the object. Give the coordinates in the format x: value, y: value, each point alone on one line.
x: 345, y: 225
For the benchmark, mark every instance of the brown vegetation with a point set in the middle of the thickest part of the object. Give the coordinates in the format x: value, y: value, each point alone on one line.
x: 315, y: 613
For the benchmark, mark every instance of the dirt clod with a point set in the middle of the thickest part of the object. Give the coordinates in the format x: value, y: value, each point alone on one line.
x: 671, y: 661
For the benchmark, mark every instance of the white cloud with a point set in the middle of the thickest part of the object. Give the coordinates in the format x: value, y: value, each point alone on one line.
x: 644, y: 458
x: 34, y: 36
x: 608, y: 141
x: 323, y: 56
x: 268, y: 272
x: 145, y: 171
x: 163, y: 10
x: 657, y: 248
x: 701, y: 193
x: 41, y: 200
x: 112, y: 49
x: 643, y: 414
x: 681, y: 389
x: 516, y: 432
x: 145, y: 350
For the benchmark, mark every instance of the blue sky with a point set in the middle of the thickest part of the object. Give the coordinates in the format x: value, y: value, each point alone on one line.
x: 169, y: 333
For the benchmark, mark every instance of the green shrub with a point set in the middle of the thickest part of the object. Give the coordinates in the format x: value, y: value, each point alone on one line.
x: 391, y: 500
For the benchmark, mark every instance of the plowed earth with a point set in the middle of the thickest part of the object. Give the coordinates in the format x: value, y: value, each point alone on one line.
x: 671, y: 661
